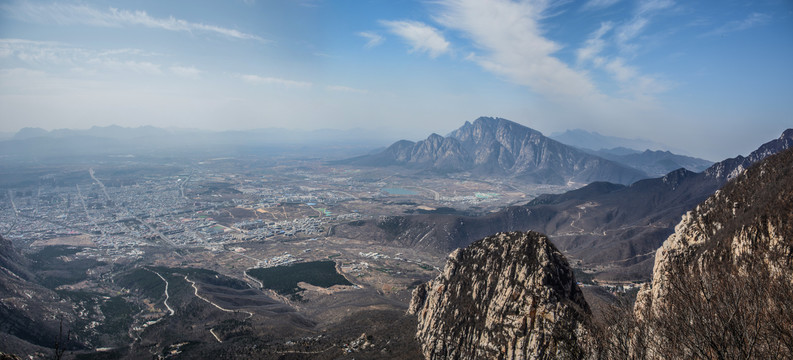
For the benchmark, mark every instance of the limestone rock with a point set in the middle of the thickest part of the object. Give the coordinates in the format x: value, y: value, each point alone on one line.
x: 507, y: 296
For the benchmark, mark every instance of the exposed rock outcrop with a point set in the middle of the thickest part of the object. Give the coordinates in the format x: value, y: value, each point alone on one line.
x: 507, y: 296
x: 727, y: 272
x: 751, y: 216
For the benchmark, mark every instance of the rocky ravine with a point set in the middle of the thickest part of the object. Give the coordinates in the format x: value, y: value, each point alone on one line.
x: 507, y: 296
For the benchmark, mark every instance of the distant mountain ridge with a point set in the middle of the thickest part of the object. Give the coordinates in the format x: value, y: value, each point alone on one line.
x: 495, y: 146
x: 37, y: 143
x: 653, y: 162
x: 592, y: 140
x: 653, y: 158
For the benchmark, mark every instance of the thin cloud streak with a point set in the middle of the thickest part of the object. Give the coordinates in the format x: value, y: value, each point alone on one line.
x: 52, y: 55
x: 421, y: 37
x: 753, y: 20
x: 112, y: 17
x: 598, y: 4
x: 372, y: 39
x: 346, y: 89
x: 258, y: 80
x: 189, y: 72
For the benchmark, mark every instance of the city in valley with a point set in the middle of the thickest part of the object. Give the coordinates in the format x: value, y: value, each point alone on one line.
x: 139, y: 244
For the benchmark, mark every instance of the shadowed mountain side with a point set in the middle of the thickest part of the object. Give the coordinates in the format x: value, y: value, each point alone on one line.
x: 29, y: 312
x: 498, y: 147
x: 615, y: 227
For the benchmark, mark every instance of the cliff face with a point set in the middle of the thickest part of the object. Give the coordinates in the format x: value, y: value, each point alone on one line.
x: 510, y: 296
x: 750, y: 217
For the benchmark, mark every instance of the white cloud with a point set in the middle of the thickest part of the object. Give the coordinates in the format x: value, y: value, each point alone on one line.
x: 421, y: 37
x: 255, y: 79
x: 373, y: 39
x: 510, y: 38
x: 754, y: 19
x: 345, y: 89
x: 68, y: 14
x: 189, y: 72
x: 631, y: 81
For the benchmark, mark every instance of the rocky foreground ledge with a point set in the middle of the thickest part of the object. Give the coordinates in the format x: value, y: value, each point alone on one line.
x: 507, y: 296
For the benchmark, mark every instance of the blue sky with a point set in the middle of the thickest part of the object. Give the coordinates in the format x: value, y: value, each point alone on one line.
x: 712, y: 77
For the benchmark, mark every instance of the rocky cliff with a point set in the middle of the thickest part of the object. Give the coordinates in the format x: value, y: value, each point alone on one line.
x: 723, y: 281
x: 507, y: 296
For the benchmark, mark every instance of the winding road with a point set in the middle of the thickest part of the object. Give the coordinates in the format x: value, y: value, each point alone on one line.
x: 170, y: 310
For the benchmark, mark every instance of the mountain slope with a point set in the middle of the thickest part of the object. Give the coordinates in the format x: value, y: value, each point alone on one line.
x: 499, y: 147
x: 29, y: 312
x: 507, y: 296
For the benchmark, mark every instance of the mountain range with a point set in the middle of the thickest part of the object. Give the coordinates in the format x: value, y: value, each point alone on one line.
x: 612, y: 228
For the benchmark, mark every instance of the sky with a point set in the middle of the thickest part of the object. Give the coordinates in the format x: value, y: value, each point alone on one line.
x: 714, y: 78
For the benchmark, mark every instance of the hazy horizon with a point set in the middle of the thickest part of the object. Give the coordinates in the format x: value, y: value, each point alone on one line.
x: 711, y: 79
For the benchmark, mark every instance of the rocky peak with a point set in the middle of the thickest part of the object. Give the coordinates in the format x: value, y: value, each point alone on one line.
x: 674, y: 178
x: 509, y: 296
x: 731, y: 168
x: 787, y: 134
x: 495, y: 147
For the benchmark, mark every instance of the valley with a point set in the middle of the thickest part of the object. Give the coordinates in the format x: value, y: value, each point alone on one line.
x: 249, y: 255
x: 157, y: 258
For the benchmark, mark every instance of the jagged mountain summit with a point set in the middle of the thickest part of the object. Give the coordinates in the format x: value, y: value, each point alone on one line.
x: 614, y: 227
x: 499, y: 147
x: 507, y: 296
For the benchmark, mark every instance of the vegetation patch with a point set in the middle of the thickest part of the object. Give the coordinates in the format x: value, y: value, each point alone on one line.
x: 53, y: 267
